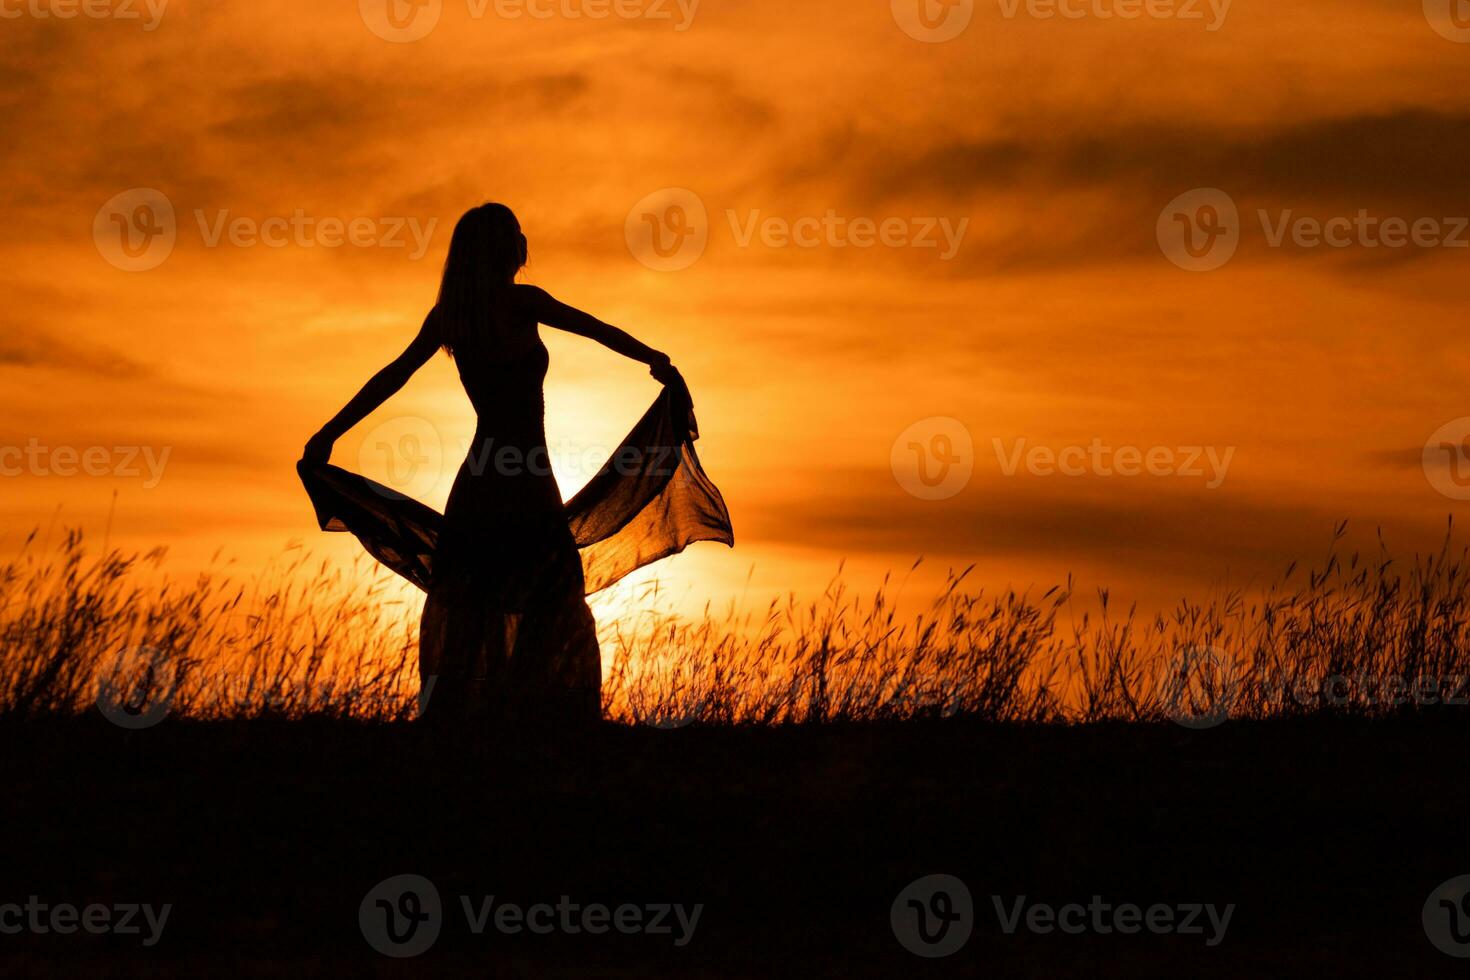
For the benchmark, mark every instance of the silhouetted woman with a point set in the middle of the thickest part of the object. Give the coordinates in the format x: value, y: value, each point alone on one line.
x: 506, y: 629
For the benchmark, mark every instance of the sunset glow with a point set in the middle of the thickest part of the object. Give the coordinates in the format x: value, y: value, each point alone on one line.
x: 894, y: 231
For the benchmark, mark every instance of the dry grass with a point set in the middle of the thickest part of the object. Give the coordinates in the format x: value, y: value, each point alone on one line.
x: 1355, y: 636
x: 296, y: 640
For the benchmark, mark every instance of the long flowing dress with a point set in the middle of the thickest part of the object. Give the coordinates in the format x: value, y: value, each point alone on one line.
x: 506, y: 630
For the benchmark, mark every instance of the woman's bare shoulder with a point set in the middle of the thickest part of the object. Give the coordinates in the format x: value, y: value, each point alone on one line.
x: 528, y: 297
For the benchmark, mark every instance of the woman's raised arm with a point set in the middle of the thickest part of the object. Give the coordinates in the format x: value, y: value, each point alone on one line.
x: 382, y: 386
x: 554, y: 313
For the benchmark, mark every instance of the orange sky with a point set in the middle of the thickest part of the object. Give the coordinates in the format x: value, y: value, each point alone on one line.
x: 1055, y: 143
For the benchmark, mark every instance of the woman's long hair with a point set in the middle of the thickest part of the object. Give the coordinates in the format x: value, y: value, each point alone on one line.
x: 485, y: 253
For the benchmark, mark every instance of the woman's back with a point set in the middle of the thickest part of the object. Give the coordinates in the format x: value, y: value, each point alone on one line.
x: 503, y: 371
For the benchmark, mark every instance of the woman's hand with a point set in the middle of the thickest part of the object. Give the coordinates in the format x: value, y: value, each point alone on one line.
x: 663, y: 369
x: 318, y: 448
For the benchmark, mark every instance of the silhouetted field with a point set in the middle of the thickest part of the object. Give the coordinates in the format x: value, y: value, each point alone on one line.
x: 794, y: 778
x: 265, y: 838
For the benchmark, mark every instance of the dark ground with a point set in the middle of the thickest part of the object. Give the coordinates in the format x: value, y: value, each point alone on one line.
x: 1328, y: 836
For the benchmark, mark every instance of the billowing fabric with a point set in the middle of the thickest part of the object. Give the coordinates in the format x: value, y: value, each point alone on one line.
x: 622, y: 520
x: 507, y: 567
